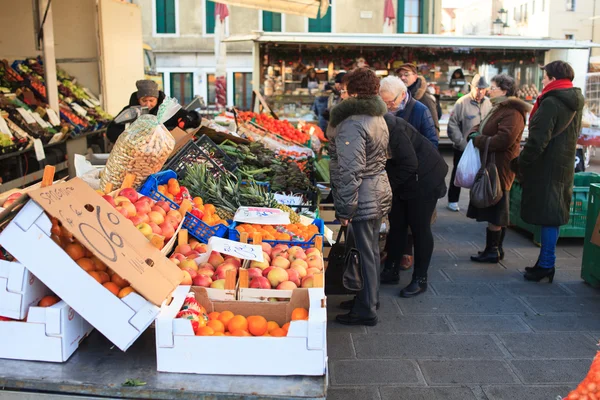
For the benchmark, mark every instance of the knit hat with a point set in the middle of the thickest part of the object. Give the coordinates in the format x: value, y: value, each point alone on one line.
x: 479, y: 82
x: 146, y: 88
x: 408, y: 67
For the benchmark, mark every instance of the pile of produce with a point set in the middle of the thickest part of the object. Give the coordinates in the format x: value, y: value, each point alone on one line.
x: 227, y: 323
x: 279, y: 127
x: 212, y: 273
x: 589, y: 388
x: 291, y: 232
x: 261, y: 164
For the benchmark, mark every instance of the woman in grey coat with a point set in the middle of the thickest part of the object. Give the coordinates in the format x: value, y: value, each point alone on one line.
x: 362, y: 195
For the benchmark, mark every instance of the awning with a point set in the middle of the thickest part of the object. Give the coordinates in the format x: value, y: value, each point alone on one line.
x: 457, y: 42
x: 305, y: 8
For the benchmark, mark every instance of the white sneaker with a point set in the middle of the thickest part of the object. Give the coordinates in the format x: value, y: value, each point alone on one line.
x: 453, y: 207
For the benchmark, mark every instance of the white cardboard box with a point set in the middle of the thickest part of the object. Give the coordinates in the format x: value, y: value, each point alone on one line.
x: 49, y: 334
x: 110, y: 237
x: 302, y: 352
x: 19, y: 289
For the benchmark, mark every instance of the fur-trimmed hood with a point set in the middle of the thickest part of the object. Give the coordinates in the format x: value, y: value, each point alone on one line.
x: 372, y: 106
x: 421, y: 88
x: 516, y: 104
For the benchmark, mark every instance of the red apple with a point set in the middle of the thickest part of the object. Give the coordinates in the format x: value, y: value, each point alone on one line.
x: 130, y: 193
x: 188, y: 264
x: 207, y: 265
x: 187, y: 279
x: 156, y: 217
x: 136, y: 220
x: 184, y: 249
x: 167, y: 230
x: 164, y: 205
x: 142, y: 207
x: 277, y: 275
x: 146, y: 199
x: 202, y: 280
x: 254, y: 272
x: 206, y: 271
x: 266, y: 271
x: 193, y: 273
x: 106, y: 197
x: 267, y: 248
x: 294, y: 276
x: 280, y: 262
x: 222, y: 269
x: 158, y: 210
x: 260, y: 282
x: 176, y: 214
x: 216, y: 259
x: 169, y: 219
x: 155, y: 228
x: 287, y: 285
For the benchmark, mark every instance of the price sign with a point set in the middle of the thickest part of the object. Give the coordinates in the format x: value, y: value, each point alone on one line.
x: 54, y: 120
x: 88, y: 103
x: 40, y: 121
x: 26, y: 116
x: 78, y: 109
x: 263, y: 216
x: 4, y: 127
x: 236, y: 249
x: 38, y: 146
x: 288, y: 200
x: 110, y: 237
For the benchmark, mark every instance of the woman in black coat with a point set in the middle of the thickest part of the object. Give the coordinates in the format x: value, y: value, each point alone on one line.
x: 417, y: 173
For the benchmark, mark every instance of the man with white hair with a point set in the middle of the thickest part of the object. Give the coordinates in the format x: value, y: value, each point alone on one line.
x: 400, y: 103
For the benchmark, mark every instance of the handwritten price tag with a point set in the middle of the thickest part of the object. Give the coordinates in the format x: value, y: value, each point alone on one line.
x: 242, y: 250
x: 288, y: 200
x: 263, y: 216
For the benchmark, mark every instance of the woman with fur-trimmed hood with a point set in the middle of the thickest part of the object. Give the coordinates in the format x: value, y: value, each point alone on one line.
x: 503, y: 127
x: 362, y: 195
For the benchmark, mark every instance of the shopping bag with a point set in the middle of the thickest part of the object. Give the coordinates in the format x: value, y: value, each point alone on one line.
x: 353, y: 276
x: 486, y: 190
x: 468, y: 166
x: 336, y: 261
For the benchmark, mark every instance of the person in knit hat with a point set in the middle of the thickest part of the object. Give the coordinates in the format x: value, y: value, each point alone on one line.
x: 148, y: 95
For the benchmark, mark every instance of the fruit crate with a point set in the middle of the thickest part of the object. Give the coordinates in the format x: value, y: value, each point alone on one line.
x: 195, y: 226
x: 203, y: 150
x: 575, y: 228
x: 235, y: 235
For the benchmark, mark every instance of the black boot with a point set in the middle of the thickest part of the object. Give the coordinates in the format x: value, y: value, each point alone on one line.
x: 500, y: 245
x: 349, y: 304
x: 491, y: 254
x: 536, y: 274
x: 390, y: 274
x: 416, y: 287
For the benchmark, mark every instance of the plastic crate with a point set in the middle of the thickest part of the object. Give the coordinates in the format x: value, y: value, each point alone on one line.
x: 575, y: 228
x: 203, y: 150
x: 590, y: 267
x: 235, y: 235
x: 195, y: 226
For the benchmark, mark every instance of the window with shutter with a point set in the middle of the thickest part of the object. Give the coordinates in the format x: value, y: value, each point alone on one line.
x: 209, y: 16
x: 321, y: 25
x: 271, y: 21
x: 166, y: 18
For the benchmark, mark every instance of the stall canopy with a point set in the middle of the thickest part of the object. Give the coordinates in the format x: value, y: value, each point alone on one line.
x: 304, y: 8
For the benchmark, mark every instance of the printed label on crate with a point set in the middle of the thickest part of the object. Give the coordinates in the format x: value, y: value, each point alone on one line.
x: 288, y: 200
x: 39, y: 120
x: 26, y: 116
x: 54, y: 120
x: 261, y: 215
x: 242, y: 250
x: 78, y: 109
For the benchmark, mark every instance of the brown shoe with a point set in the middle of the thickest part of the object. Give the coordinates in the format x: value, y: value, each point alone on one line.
x: 406, y: 262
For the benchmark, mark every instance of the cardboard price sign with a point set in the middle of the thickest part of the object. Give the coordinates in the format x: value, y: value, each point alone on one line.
x: 244, y: 251
x: 111, y: 237
x: 261, y: 215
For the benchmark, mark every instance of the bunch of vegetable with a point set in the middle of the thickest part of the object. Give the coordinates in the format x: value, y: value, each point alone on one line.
x: 279, y: 127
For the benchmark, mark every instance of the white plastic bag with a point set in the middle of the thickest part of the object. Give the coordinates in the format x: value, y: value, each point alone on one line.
x: 468, y: 166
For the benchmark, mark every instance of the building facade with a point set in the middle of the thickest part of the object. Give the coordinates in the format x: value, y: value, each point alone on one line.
x: 181, y: 35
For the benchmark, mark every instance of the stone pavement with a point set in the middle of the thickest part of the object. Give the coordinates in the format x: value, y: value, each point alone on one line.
x: 480, y: 332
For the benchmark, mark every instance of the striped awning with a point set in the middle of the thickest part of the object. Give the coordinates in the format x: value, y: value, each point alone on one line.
x: 305, y: 8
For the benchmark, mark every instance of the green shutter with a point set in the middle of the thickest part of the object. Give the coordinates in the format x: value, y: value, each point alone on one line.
x: 424, y: 16
x: 400, y: 17
x: 321, y: 24
x: 210, y: 16
x: 271, y: 21
x: 160, y: 16
x: 165, y: 16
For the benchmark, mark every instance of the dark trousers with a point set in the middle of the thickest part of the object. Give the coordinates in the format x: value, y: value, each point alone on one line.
x: 364, y: 236
x: 454, y: 191
x: 417, y: 214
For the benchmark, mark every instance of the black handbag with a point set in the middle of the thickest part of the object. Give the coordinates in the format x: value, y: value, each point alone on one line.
x: 338, y: 278
x: 486, y: 190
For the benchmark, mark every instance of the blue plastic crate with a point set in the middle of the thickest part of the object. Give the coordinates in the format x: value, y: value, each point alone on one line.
x: 195, y: 226
x: 235, y: 235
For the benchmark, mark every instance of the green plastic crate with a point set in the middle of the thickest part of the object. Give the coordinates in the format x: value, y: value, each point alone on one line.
x: 590, y: 265
x: 575, y: 228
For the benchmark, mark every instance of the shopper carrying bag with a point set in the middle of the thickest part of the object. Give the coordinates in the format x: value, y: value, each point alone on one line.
x: 486, y: 190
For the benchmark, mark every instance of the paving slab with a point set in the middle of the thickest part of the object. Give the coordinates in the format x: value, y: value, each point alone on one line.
x: 525, y: 392
x: 487, y: 274
x: 410, y: 324
x: 462, y: 305
x: 552, y: 371
x: 411, y: 346
x: 339, y: 345
x: 555, y: 304
x: 353, y: 393
x: 374, y: 372
x: 548, y: 345
x: 453, y: 372
x: 531, y: 289
x: 562, y: 323
x: 418, y: 393
x: 334, y: 327
x: 453, y: 289
x: 581, y: 289
x: 487, y: 323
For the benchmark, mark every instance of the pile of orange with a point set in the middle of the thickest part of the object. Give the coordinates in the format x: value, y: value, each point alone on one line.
x: 209, y: 210
x: 227, y: 323
x: 298, y: 232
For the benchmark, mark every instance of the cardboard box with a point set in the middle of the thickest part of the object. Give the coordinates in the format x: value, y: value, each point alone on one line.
x: 49, y: 334
x: 19, y: 289
x: 265, y: 295
x: 302, y: 352
x: 181, y: 138
x: 110, y: 237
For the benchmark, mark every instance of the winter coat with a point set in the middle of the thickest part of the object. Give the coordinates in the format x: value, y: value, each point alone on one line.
x: 418, y: 90
x: 415, y: 168
x: 466, y: 114
x: 420, y: 118
x: 504, y: 127
x: 358, y: 143
x: 546, y: 166
x: 320, y: 109
x: 184, y: 119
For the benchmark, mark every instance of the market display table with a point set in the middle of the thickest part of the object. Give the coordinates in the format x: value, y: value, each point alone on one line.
x: 99, y: 369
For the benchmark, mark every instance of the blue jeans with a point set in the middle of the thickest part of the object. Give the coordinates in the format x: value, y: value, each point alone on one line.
x: 547, y: 257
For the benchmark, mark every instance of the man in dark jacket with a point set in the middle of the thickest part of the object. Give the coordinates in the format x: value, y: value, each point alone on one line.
x: 545, y: 167
x: 400, y: 103
x: 149, y: 96
x: 417, y: 173
x: 417, y: 86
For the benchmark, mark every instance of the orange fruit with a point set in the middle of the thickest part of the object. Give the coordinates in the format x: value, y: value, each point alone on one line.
x: 299, y: 314
x: 110, y: 272
x: 205, y: 331
x: 216, y: 325
x: 286, y: 327
x: 240, y: 332
x: 237, y: 323
x: 201, y: 323
x: 48, y: 301
x: 87, y: 264
x: 225, y: 317
x: 240, y: 229
x: 103, y: 277
x: 272, y: 325
x: 112, y: 287
x: 125, y: 291
x: 214, y: 315
x: 120, y: 282
x: 227, y: 334
x: 209, y: 208
x: 278, y: 332
x: 96, y: 276
x: 100, y: 266
x: 219, y: 334
x: 75, y: 251
x: 257, y: 325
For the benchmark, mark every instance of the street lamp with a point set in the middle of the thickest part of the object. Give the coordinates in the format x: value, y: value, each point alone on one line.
x: 498, y: 27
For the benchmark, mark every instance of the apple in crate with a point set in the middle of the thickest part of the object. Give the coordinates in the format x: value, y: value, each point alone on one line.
x: 129, y: 193
x: 263, y: 265
x: 260, y: 282
x: 142, y: 207
x: 280, y: 262
x: 158, y: 210
x: 236, y: 262
x: 313, y: 250
x: 202, y: 280
x: 267, y: 248
x: 145, y: 229
x: 187, y: 278
x: 221, y: 271
x: 294, y: 276
x: 184, y: 249
x: 106, y: 197
x: 164, y: 205
x: 218, y: 284
x: 254, y: 272
x: 167, y: 230
x: 287, y: 285
x: 314, y: 260
x: 296, y: 253
x: 207, y: 265
x: 193, y: 273
x: 276, y: 276
x: 206, y: 272
x: 155, y: 228
x: 187, y: 263
x: 215, y: 259
x: 266, y: 271
x: 312, y: 271
x: 308, y: 282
